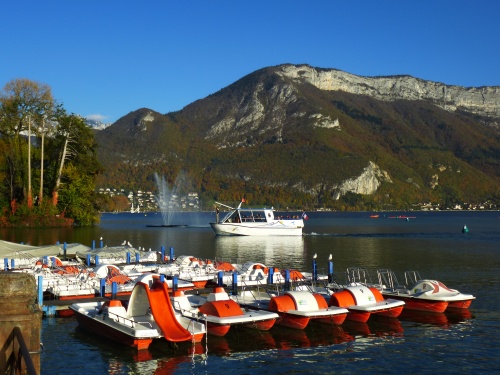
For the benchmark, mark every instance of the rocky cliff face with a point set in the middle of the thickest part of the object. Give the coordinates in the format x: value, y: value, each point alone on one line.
x: 483, y: 101
x: 367, y: 183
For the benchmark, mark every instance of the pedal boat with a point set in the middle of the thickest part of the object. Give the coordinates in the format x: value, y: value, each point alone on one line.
x: 148, y: 316
x: 295, y: 308
x: 221, y: 312
x: 363, y: 301
x: 425, y: 294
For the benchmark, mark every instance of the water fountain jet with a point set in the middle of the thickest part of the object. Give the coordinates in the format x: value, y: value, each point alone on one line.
x: 166, y: 200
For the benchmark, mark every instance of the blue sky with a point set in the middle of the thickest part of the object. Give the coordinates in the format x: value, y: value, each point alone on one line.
x: 106, y: 58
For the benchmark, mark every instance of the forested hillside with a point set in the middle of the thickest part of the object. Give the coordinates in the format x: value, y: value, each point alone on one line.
x: 285, y: 142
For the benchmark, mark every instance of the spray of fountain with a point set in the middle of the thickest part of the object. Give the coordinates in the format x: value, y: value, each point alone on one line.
x: 166, y: 199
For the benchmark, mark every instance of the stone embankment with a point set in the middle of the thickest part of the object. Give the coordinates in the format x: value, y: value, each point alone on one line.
x: 18, y: 308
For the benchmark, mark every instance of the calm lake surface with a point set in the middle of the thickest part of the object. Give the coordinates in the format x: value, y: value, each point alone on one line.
x: 430, y: 242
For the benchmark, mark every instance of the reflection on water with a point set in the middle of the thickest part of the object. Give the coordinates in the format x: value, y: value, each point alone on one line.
x: 252, y: 345
x: 444, y: 320
x: 431, y: 244
x: 273, y: 251
x: 242, y: 340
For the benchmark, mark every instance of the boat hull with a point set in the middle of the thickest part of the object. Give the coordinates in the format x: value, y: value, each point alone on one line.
x: 335, y: 320
x: 222, y: 329
x: 390, y: 313
x: 218, y: 329
x: 293, y: 321
x: 358, y: 316
x: 418, y: 304
x: 465, y: 304
x: 257, y: 229
x: 95, y: 326
x: 264, y: 325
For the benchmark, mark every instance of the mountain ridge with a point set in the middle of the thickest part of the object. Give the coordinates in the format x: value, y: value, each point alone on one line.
x: 276, y: 136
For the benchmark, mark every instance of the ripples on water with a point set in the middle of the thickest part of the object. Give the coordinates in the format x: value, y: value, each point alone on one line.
x: 416, y: 343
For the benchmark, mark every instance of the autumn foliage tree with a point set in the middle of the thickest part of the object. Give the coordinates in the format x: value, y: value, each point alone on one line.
x: 43, y: 146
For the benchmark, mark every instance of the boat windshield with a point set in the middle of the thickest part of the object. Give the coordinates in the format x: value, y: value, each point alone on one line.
x: 253, y: 215
x: 247, y: 216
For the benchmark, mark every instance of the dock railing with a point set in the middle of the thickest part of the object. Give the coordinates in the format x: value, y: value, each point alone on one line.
x: 17, y: 356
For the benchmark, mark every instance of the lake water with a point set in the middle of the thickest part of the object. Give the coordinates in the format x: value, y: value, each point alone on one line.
x: 431, y: 243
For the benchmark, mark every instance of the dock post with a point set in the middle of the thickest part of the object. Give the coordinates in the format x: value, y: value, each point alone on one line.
x: 330, y: 271
x: 137, y: 257
x: 40, y: 290
x: 102, y: 244
x: 5, y: 264
x: 287, y: 280
x: 12, y: 264
x: 315, y: 270
x: 65, y: 249
x: 174, y: 283
x: 88, y: 260
x: 162, y: 249
x: 235, y: 283
x: 128, y: 257
x: 219, y: 278
x: 162, y: 278
x: 93, y: 244
x: 102, y: 288
x: 97, y: 260
x: 114, y: 290
x: 270, y: 275
x: 171, y: 254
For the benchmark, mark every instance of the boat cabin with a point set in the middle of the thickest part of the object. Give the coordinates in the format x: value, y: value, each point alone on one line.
x: 249, y: 215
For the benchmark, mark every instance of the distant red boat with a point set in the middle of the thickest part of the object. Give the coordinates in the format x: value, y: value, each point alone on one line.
x: 374, y: 216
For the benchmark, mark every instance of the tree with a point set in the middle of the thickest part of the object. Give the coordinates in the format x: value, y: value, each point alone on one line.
x: 23, y: 102
x: 77, y: 167
x: 64, y: 158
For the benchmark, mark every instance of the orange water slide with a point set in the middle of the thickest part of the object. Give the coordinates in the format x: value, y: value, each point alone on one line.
x: 163, y: 312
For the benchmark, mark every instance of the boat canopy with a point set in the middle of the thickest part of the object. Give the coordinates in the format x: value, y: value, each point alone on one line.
x: 246, y: 215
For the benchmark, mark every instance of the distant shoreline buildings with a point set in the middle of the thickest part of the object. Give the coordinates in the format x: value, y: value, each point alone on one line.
x: 146, y: 201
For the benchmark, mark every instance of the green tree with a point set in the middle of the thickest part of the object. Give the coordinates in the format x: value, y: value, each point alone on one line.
x: 75, y: 170
x: 63, y: 161
x: 23, y: 105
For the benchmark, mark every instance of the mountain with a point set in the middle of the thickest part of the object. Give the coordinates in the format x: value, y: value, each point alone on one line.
x: 96, y: 124
x: 299, y: 136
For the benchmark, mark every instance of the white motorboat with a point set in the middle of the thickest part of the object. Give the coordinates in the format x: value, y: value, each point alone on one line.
x: 256, y: 222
